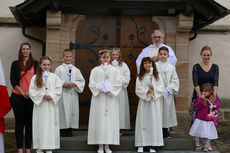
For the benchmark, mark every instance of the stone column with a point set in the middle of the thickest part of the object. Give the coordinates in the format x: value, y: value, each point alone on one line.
x: 184, y: 25
x: 53, y: 37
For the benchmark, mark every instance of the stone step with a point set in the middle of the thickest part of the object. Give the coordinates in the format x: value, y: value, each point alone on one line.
x: 79, y: 142
x: 225, y: 114
x: 224, y: 103
x: 175, y: 151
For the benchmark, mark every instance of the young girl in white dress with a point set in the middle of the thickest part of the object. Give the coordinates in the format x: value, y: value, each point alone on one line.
x: 105, y: 85
x: 45, y: 90
x: 171, y: 83
x: 149, y: 88
x: 124, y: 114
x: 204, y: 125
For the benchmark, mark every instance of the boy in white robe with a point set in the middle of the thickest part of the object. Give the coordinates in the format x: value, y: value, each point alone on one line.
x: 45, y: 91
x: 171, y: 83
x: 124, y: 113
x: 149, y: 87
x: 73, y: 82
x: 105, y: 85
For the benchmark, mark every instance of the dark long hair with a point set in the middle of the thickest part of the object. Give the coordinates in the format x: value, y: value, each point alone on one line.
x: 142, y: 69
x: 30, y: 61
x: 38, y: 79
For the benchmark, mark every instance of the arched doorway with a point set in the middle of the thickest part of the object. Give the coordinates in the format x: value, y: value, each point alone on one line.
x: 130, y: 33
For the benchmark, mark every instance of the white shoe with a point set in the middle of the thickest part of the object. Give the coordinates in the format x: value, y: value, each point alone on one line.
x: 101, y: 148
x: 140, y: 149
x: 107, y: 150
x: 152, y: 150
x: 39, y: 151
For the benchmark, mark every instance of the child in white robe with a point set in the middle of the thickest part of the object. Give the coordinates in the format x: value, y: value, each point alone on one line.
x: 73, y: 82
x: 45, y: 91
x: 124, y: 113
x: 105, y: 85
x: 171, y: 83
x: 149, y: 87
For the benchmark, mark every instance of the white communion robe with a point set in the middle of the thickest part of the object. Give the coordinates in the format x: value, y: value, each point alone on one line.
x: 170, y: 79
x: 124, y: 113
x: 152, y: 50
x: 69, y: 102
x: 104, y: 110
x: 148, y: 130
x: 45, y: 113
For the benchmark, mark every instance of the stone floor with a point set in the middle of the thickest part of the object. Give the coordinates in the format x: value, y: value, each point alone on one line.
x: 222, y: 144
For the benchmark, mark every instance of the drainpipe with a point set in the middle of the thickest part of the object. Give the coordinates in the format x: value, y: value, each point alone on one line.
x: 35, y: 39
x: 194, y: 36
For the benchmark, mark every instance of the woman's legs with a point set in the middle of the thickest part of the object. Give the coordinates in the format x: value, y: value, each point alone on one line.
x: 17, y: 103
x: 28, y: 123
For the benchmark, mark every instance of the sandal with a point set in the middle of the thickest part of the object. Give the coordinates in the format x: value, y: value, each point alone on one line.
x: 205, y: 149
x: 198, y: 148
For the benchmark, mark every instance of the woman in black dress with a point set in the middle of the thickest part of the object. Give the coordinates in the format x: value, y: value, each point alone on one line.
x: 21, y: 73
x: 204, y: 72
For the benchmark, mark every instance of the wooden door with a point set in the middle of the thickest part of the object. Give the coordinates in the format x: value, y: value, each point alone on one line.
x: 130, y: 33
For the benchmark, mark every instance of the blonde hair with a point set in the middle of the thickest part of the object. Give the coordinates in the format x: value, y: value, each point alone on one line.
x: 104, y: 51
x: 116, y: 49
x: 67, y: 51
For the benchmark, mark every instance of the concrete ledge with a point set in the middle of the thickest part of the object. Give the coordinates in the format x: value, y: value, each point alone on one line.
x: 8, y: 20
x: 215, y: 28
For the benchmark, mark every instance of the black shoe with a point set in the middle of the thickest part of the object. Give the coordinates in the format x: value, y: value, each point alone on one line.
x: 63, y: 132
x: 166, y: 133
x: 69, y: 132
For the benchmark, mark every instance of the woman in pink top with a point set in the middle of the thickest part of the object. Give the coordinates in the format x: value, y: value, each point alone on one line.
x: 21, y: 73
x: 204, y: 125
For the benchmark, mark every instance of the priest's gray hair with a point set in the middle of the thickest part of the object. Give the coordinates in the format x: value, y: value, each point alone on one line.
x: 158, y: 30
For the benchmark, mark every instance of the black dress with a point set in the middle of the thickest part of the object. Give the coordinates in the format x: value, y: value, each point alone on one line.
x: 200, y: 77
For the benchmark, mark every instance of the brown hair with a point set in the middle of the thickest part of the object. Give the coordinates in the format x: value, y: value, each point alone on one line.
x: 207, y: 87
x: 38, y: 79
x: 142, y: 69
x: 67, y: 51
x: 205, y: 48
x: 30, y: 61
x: 115, y: 49
x: 103, y: 51
x: 163, y: 48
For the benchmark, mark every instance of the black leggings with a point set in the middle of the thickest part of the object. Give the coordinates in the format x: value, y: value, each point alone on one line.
x: 23, y: 110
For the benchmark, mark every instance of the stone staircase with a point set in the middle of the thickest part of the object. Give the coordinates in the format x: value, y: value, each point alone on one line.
x: 225, y: 110
x: 78, y: 144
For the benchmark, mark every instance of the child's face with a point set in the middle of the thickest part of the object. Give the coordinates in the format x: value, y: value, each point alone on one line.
x: 115, y: 55
x: 205, y: 93
x: 105, y: 58
x: 147, y: 65
x: 67, y: 58
x: 163, y: 55
x: 45, y: 65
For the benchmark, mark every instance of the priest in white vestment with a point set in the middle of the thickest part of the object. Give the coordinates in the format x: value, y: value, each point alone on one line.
x: 152, y: 50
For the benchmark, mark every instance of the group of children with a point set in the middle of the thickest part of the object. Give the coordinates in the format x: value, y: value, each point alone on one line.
x: 56, y: 102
